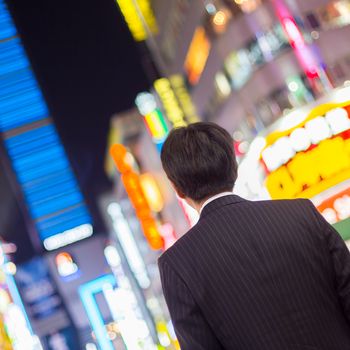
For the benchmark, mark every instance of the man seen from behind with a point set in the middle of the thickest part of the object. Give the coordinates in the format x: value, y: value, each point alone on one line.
x: 262, y: 275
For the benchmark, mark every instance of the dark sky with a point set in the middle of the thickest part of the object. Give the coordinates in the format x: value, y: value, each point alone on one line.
x: 89, y: 68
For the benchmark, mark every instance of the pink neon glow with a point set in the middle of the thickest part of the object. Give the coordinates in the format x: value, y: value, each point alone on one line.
x: 293, y: 32
x: 296, y: 40
x: 168, y: 233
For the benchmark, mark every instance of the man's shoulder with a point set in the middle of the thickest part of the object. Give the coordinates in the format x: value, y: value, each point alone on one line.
x: 300, y: 203
x: 179, y: 250
x: 183, y: 247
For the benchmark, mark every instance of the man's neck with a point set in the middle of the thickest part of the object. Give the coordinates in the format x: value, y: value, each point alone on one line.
x: 203, y: 203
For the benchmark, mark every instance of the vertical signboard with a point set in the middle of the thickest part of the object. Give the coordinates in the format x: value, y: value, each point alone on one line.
x: 50, y: 190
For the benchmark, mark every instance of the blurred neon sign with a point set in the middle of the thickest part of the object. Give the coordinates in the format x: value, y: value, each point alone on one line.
x: 295, y: 37
x: 132, y: 184
x: 152, y: 192
x: 197, y: 55
x: 65, y: 264
x: 129, y: 245
x: 13, y: 313
x: 153, y: 118
x: 311, y: 157
x: 51, y: 193
x: 135, y: 13
x: 337, y: 207
x: 88, y: 294
x: 171, y: 105
x: 178, y: 83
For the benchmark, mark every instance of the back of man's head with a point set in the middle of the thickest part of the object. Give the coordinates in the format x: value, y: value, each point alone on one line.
x: 199, y: 160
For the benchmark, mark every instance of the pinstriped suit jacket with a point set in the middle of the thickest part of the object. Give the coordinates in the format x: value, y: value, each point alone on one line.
x: 269, y: 275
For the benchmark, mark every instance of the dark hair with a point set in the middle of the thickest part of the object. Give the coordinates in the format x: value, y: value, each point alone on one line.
x: 199, y: 160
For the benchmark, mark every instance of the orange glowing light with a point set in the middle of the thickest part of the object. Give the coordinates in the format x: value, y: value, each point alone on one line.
x: 197, y: 55
x: 133, y: 187
x: 220, y: 18
x: 151, y: 191
x: 62, y: 258
x: 66, y: 265
x: 220, y: 21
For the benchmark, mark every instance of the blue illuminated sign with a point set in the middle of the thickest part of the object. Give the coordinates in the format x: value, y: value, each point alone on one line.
x: 52, y: 195
x: 87, y: 294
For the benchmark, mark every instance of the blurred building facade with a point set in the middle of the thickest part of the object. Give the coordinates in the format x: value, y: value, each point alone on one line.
x: 274, y: 74
x: 244, y: 64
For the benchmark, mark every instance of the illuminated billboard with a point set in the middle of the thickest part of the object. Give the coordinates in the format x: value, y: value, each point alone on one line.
x: 305, y: 154
x: 311, y: 157
x: 170, y: 103
x: 153, y: 118
x: 43, y: 172
x: 183, y: 96
x: 139, y: 17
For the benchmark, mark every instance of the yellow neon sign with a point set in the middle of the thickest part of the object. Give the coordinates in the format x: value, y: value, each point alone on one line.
x: 156, y: 125
x: 317, y: 111
x: 311, y: 173
x: 135, y: 12
x: 182, y: 94
x: 5, y: 342
x: 316, y: 158
x: 170, y: 103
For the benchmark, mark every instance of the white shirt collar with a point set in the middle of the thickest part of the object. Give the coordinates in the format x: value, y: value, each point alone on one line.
x: 210, y: 199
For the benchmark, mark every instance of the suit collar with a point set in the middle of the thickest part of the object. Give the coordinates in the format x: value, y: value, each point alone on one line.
x: 220, y: 202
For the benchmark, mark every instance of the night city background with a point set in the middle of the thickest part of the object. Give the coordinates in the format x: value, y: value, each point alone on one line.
x: 88, y: 93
